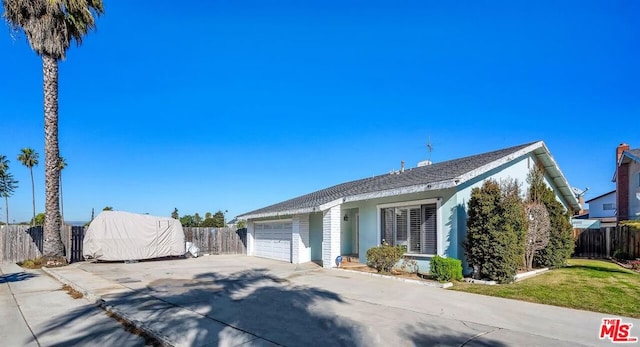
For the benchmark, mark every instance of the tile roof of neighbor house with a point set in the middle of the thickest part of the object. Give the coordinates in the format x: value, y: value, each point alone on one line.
x: 435, y: 176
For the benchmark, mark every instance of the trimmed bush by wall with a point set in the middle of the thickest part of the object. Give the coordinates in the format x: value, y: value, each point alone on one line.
x: 446, y: 269
x: 384, y: 257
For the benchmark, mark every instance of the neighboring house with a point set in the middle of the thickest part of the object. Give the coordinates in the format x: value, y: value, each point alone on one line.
x: 423, y: 208
x: 602, y: 208
x: 627, y: 179
x: 232, y: 223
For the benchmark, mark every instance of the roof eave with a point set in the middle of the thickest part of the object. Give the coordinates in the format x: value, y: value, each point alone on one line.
x: 558, y: 178
x: 552, y: 168
x: 402, y: 191
x: 278, y: 213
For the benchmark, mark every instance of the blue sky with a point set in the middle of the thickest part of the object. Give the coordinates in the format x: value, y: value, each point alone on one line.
x: 235, y: 105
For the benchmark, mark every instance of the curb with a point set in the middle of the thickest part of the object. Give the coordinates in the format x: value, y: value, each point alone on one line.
x: 406, y: 280
x: 162, y: 340
x: 96, y: 299
x: 532, y: 273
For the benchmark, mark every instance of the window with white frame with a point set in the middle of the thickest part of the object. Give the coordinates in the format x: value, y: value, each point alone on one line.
x: 414, y: 227
x: 609, y: 206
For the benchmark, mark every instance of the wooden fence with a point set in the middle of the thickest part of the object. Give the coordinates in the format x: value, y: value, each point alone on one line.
x: 603, y: 243
x: 217, y: 240
x: 591, y: 243
x: 626, y: 240
x: 21, y: 242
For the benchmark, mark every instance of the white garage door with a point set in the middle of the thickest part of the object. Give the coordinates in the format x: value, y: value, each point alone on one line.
x: 273, y: 240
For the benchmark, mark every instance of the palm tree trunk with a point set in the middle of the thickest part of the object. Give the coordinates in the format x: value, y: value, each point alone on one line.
x: 33, y: 198
x: 61, y: 200
x: 52, y: 245
x: 6, y: 208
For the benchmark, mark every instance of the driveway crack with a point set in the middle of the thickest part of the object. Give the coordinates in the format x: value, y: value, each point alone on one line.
x: 479, y: 335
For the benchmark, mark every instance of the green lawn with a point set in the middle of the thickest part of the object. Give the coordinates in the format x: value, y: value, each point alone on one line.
x: 592, y: 285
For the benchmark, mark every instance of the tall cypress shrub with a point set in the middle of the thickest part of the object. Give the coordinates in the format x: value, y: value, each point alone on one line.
x: 495, y: 228
x: 561, y: 244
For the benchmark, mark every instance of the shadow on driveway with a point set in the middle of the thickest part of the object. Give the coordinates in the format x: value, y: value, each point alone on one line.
x: 78, y: 328
x: 427, y: 334
x: 16, y: 277
x: 254, y: 307
x: 253, y: 302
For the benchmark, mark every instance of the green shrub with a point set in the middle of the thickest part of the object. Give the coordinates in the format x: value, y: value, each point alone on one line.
x: 561, y: 243
x: 620, y: 255
x: 446, y: 269
x: 633, y: 224
x: 495, y: 230
x: 29, y: 264
x: 384, y: 257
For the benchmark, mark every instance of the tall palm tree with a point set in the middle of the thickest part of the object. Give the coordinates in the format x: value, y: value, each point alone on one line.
x: 7, y: 184
x: 50, y: 27
x: 4, y: 164
x: 29, y: 158
x: 61, y: 165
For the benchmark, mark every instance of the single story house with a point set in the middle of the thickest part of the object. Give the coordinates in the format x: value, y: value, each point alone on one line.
x: 423, y: 208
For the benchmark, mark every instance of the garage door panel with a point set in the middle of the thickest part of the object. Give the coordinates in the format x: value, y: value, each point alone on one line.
x: 273, y: 240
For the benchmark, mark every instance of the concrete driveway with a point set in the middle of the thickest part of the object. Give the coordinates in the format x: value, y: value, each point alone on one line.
x: 239, y: 300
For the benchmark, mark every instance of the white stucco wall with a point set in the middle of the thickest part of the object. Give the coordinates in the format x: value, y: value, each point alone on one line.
x: 250, y: 237
x: 330, y: 236
x: 300, y: 245
x: 596, y: 206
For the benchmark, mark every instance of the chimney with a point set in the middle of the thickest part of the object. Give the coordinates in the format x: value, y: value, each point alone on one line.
x: 402, y: 166
x: 622, y: 184
x: 621, y: 148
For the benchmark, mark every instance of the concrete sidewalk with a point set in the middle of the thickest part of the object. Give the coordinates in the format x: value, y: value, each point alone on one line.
x: 36, y: 311
x: 247, y: 301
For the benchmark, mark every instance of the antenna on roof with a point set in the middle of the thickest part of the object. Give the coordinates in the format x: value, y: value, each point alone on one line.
x: 429, y: 148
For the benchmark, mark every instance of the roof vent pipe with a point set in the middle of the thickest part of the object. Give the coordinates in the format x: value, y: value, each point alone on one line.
x: 402, y: 166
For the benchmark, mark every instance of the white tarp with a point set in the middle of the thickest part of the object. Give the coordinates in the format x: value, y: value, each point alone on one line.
x: 118, y: 235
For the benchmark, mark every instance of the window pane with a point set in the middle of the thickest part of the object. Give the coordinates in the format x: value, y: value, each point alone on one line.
x: 387, y: 225
x: 401, y: 226
x: 414, y: 230
x: 430, y: 229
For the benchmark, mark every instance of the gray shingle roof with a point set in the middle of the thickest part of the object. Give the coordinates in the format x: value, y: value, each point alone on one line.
x: 448, y: 170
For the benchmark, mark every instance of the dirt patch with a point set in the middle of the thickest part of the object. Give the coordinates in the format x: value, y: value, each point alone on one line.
x: 148, y: 339
x: 38, y: 263
x: 72, y: 292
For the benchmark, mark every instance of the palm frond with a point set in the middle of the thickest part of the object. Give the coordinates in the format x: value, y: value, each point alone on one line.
x: 51, y: 25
